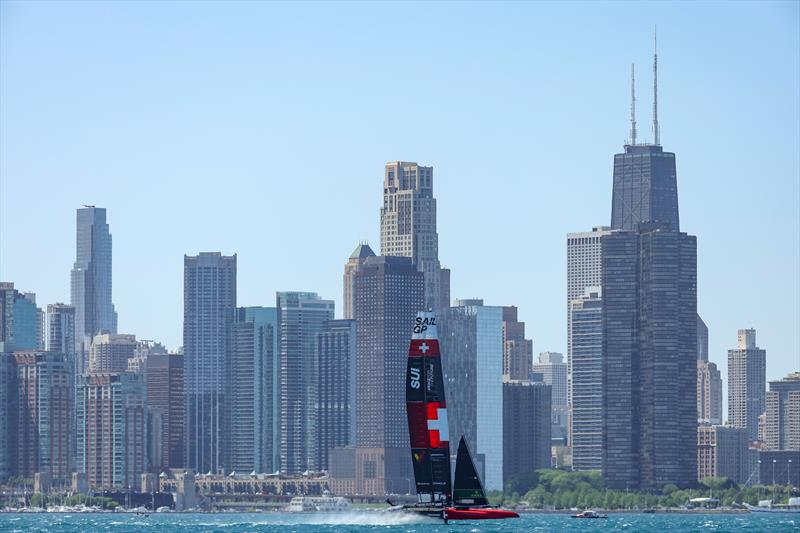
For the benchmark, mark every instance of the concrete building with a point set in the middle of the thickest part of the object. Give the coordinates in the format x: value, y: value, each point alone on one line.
x: 649, y: 358
x: 779, y: 467
x: 554, y: 373
x: 336, y: 388
x: 722, y: 452
x: 783, y: 414
x: 526, y: 428
x: 709, y: 393
x: 40, y: 415
x: 747, y: 383
x: 209, y: 298
x: 587, y: 380
x: 471, y: 343
x: 389, y: 293
x: 301, y: 315
x: 111, y: 352
x: 166, y: 422
x: 112, y: 430
x: 408, y: 226
x: 253, y: 383
x: 361, y: 252
x: 90, y: 280
x: 144, y: 349
x: 19, y: 319
x: 517, y: 350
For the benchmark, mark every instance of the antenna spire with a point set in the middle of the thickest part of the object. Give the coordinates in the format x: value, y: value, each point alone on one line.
x: 633, y: 106
x: 656, y: 130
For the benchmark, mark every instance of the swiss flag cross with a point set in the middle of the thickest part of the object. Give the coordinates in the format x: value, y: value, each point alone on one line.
x: 438, y: 434
x: 422, y: 347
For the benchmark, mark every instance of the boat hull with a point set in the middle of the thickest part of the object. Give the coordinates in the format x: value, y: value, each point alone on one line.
x: 479, y: 514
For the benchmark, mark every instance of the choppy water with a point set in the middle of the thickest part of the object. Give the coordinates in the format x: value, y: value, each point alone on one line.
x: 366, y: 521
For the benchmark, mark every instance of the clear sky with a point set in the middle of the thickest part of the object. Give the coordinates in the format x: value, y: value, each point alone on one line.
x: 262, y: 129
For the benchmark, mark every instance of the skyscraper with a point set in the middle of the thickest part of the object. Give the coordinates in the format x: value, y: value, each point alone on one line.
x: 112, y: 430
x: 471, y: 344
x: 722, y: 452
x: 649, y: 358
x: 408, y: 226
x: 90, y: 281
x: 209, y: 297
x: 702, y: 340
x: 110, y: 353
x: 253, y: 390
x: 301, y: 315
x: 747, y: 383
x: 587, y: 381
x: 336, y: 388
x: 526, y: 428
x: 709, y: 393
x: 164, y: 382
x: 389, y: 293
x: 361, y: 252
x: 554, y: 373
x: 517, y: 350
x: 783, y: 414
x: 19, y: 319
x: 61, y: 329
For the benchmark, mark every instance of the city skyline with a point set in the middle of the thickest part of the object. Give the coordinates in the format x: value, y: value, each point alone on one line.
x: 762, y: 305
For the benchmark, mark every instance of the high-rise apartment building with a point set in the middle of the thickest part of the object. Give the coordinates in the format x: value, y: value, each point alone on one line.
x: 144, y: 349
x: 526, y: 428
x: 471, y: 344
x: 649, y: 358
x: 747, y: 383
x: 553, y: 369
x: 389, y: 293
x: 61, y: 329
x: 19, y: 319
x: 209, y: 298
x: 517, y: 350
x: 253, y: 384
x: 112, y: 430
x: 40, y: 411
x: 111, y: 352
x: 336, y: 388
x: 722, y: 452
x: 586, y: 314
x: 164, y: 383
x: 40, y: 322
x: 702, y: 340
x: 408, y: 226
x: 90, y: 280
x: 783, y: 414
x: 361, y: 252
x: 301, y: 315
x: 709, y: 393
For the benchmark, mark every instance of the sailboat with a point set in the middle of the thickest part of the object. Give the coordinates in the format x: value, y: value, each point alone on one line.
x: 426, y: 408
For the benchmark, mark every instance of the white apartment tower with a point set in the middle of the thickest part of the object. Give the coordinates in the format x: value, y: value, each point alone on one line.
x: 408, y: 226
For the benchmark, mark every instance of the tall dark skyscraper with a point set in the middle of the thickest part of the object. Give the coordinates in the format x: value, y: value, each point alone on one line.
x: 526, y: 428
x: 165, y: 411
x: 90, y: 281
x: 209, y: 298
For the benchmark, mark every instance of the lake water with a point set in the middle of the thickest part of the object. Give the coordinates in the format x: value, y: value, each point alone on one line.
x: 368, y: 521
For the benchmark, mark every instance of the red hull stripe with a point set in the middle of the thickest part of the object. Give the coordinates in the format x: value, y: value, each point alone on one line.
x: 424, y: 347
x: 479, y: 514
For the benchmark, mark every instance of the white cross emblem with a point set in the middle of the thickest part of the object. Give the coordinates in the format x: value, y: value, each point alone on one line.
x: 424, y: 347
x: 440, y: 424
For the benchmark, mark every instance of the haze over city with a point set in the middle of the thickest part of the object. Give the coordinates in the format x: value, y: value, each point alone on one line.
x: 263, y: 130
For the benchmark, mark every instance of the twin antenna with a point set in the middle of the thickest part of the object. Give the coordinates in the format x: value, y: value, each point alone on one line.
x: 656, y: 129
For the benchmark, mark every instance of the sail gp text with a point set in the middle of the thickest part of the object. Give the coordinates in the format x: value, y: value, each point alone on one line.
x: 421, y: 324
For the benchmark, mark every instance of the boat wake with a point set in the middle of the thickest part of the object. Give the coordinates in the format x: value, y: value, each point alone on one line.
x: 355, y: 518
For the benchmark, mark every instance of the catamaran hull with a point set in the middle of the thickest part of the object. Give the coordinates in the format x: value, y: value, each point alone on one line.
x: 479, y: 514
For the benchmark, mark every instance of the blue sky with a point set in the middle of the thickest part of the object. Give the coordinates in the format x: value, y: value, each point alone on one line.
x: 262, y: 129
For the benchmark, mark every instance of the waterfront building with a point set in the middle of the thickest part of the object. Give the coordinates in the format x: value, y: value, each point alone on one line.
x: 336, y: 388
x: 517, y: 350
x: 408, y: 226
x: 209, y: 298
x: 747, y: 383
x: 6, y: 386
x: 649, y: 358
x: 389, y: 293
x: 526, y: 427
x: 361, y: 252
x: 90, y: 279
x: 164, y: 381
x: 253, y: 384
x: 554, y: 373
x: 40, y: 415
x: 586, y: 418
x: 471, y: 345
x: 722, y: 452
x: 301, y: 315
x: 111, y: 352
x: 779, y: 467
x: 783, y: 414
x: 112, y: 430
x: 709, y: 393
x: 19, y: 319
